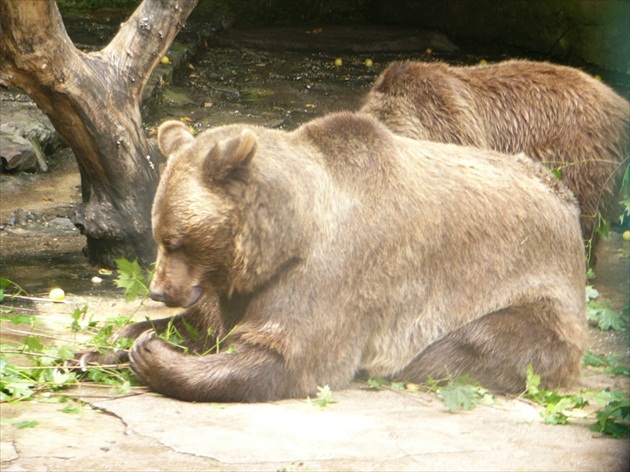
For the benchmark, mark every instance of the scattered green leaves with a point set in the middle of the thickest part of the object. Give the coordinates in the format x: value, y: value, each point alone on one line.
x: 556, y: 404
x: 460, y: 393
x: 34, y: 365
x: 44, y: 374
x: 613, y: 419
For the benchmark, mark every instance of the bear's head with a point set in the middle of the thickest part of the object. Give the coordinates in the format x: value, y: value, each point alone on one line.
x: 194, y: 213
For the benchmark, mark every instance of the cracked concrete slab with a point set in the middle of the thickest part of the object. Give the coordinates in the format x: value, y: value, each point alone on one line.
x: 364, y: 430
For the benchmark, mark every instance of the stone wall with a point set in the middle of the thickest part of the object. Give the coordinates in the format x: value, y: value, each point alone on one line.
x: 593, y: 31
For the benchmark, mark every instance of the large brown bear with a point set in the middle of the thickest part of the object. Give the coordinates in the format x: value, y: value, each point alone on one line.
x: 311, y: 256
x: 558, y: 115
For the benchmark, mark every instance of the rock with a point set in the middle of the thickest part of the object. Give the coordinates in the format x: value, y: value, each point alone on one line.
x: 17, y: 153
x: 63, y: 223
x: 26, y: 135
x: 22, y: 217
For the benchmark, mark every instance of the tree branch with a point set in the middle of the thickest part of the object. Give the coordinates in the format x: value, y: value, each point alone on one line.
x: 145, y: 37
x: 33, y: 38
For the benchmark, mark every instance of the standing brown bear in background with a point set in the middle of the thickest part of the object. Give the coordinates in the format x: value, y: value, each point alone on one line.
x: 557, y: 115
x: 341, y: 248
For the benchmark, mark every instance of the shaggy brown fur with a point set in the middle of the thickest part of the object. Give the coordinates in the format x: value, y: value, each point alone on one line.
x: 558, y: 115
x: 340, y: 248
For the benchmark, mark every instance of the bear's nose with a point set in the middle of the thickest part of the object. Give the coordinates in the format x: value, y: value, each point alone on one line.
x: 157, y: 294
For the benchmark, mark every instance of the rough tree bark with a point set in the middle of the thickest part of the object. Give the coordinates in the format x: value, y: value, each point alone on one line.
x: 93, y: 101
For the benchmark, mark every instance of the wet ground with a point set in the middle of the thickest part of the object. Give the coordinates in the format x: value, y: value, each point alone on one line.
x: 237, y: 78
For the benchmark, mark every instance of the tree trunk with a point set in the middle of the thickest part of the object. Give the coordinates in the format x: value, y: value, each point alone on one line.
x: 93, y: 101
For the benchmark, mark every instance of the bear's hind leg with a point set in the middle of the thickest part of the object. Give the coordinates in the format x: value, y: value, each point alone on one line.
x: 496, y: 349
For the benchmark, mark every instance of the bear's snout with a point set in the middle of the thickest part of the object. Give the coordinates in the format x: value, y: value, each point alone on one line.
x: 158, y: 294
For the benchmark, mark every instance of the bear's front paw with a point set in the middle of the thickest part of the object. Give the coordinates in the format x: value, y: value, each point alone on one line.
x: 84, y: 359
x: 150, y: 358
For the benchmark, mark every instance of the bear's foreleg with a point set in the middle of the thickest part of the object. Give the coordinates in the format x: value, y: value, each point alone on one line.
x: 197, y: 328
x: 246, y: 374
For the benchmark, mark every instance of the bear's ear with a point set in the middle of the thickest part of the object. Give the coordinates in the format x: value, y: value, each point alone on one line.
x: 173, y: 135
x: 226, y: 157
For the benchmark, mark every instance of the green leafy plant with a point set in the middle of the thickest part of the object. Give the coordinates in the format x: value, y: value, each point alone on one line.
x: 44, y: 373
x: 612, y: 419
x: 324, y: 397
x: 612, y: 364
x: 5, y: 285
x: 556, y: 404
x: 133, y: 278
x: 34, y: 366
x: 598, y: 310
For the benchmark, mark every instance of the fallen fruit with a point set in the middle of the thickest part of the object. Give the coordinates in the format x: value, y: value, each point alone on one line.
x: 57, y: 294
x: 626, y: 235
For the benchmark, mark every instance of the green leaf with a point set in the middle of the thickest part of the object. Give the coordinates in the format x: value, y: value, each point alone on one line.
x: 377, y: 383
x: 554, y: 412
x: 591, y: 293
x: 458, y: 396
x: 400, y: 386
x: 16, y: 389
x: 604, y: 315
x: 72, y: 408
x: 132, y: 278
x: 613, y: 363
x: 61, y: 378
x: 22, y: 319
x: 462, y: 393
x: 532, y: 382
x: 592, y: 359
x: 26, y: 424
x: 124, y: 388
x: 613, y: 419
x: 6, y: 283
x: 609, y: 319
x: 66, y: 352
x: 324, y: 397
x: 34, y: 344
